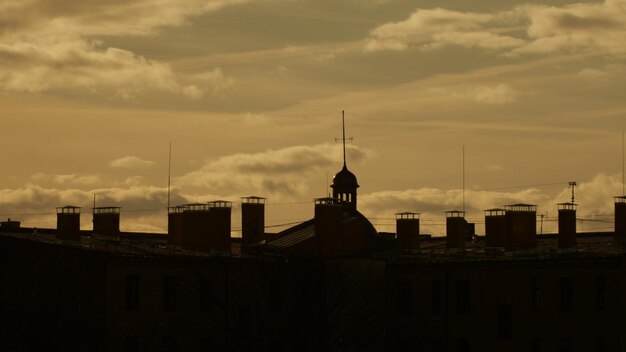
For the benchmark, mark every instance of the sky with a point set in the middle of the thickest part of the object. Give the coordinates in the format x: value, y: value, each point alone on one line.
x: 250, y: 92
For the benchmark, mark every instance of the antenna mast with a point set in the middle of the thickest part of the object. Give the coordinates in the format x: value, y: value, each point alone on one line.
x: 169, y: 176
x: 572, y: 184
x: 343, y: 137
x: 463, y: 177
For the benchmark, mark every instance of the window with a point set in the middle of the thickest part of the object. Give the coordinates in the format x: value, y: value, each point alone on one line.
x: 404, y: 298
x: 601, y: 293
x: 504, y: 322
x: 534, y: 294
x: 169, y: 293
x: 462, y: 345
x: 565, y: 345
x: 132, y: 344
x: 436, y: 293
x: 463, y: 297
x: 567, y: 294
x: 132, y: 292
x: 206, y: 293
x: 535, y: 345
x: 600, y: 344
x: 169, y: 344
x: 275, y: 290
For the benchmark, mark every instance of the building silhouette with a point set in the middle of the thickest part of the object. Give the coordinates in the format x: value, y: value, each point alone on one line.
x: 330, y: 283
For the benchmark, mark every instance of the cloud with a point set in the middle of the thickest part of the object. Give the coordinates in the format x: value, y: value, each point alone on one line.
x: 73, y: 179
x: 130, y: 162
x: 286, y: 171
x: 50, y: 46
x: 595, y: 199
x: 500, y: 94
x: 433, y: 28
x: 579, y: 27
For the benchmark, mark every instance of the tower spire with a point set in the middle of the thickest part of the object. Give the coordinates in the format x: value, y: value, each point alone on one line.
x: 343, y: 126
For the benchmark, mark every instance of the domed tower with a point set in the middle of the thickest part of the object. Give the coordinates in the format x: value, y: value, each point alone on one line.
x: 344, y: 183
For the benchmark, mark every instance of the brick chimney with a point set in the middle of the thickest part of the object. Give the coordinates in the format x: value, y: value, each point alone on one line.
x: 495, y: 227
x: 456, y: 229
x: 407, y: 231
x: 567, y: 225
x: 252, y: 221
x: 68, y: 223
x: 521, y: 227
x: 106, y: 221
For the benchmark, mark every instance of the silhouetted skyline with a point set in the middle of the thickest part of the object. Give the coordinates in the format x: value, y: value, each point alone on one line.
x: 249, y: 94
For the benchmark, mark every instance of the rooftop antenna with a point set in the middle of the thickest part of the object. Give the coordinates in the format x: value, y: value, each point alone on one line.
x: 463, y: 177
x: 572, y: 184
x: 343, y: 139
x: 169, y: 176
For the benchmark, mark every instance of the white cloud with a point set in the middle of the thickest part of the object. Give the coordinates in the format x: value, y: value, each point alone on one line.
x: 69, y: 179
x: 578, y: 27
x: 433, y: 28
x: 500, y: 94
x: 286, y: 171
x: 50, y: 46
x: 130, y: 162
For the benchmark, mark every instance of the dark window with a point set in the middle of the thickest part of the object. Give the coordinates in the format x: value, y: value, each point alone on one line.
x: 404, y: 298
x: 132, y: 292
x: 462, y: 345
x: 275, y: 294
x: 567, y: 294
x: 535, y: 345
x: 463, y: 297
x: 535, y: 289
x: 169, y: 293
x: 601, y: 293
x: 504, y: 322
x: 132, y: 344
x: 206, y: 293
x: 600, y: 344
x: 245, y: 320
x: 565, y: 345
x: 169, y: 344
x: 436, y: 292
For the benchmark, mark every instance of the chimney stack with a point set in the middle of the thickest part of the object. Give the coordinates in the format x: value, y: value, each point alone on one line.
x: 328, y: 224
x: 620, y: 217
x: 252, y: 221
x: 175, y: 224
x: 567, y: 225
x: 456, y: 229
x: 106, y: 221
x: 495, y: 227
x: 521, y: 226
x: 201, y: 226
x: 68, y: 223
x: 407, y: 231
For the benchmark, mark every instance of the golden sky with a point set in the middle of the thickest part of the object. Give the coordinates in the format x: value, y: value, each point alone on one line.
x: 250, y: 94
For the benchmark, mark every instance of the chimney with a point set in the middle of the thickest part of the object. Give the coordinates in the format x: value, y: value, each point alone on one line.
x: 252, y: 221
x: 106, y: 221
x: 68, y: 223
x: 567, y: 225
x: 328, y: 224
x: 495, y: 227
x: 456, y: 229
x: 407, y: 231
x: 521, y: 226
x: 620, y: 217
x: 220, y: 216
x: 175, y: 224
x: 201, y: 226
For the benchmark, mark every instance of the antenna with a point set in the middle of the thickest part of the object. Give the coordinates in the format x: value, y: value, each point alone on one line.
x: 343, y: 139
x: 169, y: 176
x: 463, y: 177
x: 572, y: 184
